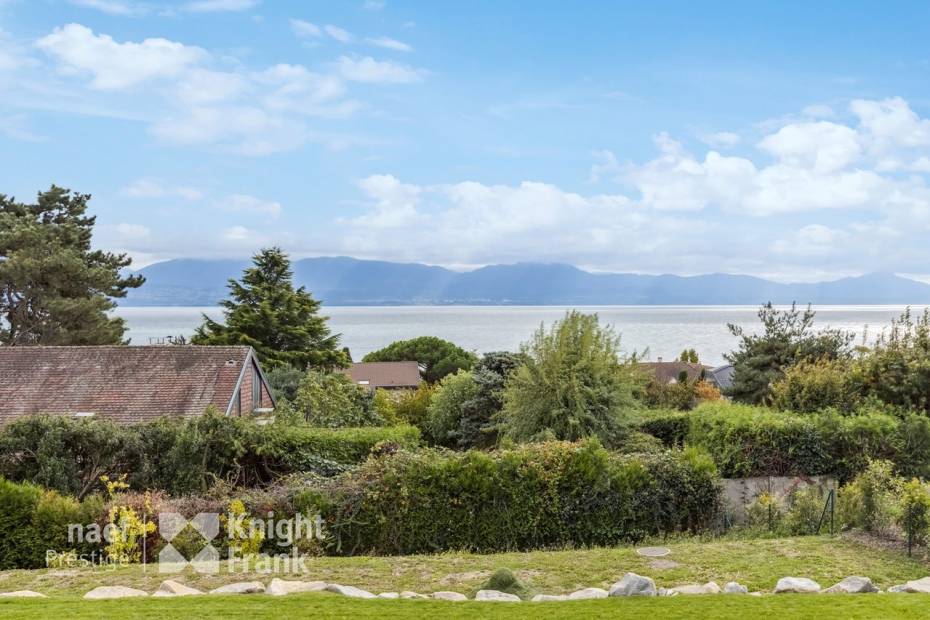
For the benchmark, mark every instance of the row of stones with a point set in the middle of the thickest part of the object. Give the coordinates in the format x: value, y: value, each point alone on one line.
x: 630, y: 585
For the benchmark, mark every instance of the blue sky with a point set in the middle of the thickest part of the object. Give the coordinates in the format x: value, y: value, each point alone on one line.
x: 785, y: 139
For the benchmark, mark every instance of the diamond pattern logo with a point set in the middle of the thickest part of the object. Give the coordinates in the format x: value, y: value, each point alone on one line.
x: 207, y: 560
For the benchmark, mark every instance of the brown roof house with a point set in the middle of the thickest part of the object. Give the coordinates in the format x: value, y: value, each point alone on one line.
x: 129, y: 384
x: 671, y: 372
x: 387, y: 375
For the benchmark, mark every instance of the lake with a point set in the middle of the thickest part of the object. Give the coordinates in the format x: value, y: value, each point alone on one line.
x: 664, y: 330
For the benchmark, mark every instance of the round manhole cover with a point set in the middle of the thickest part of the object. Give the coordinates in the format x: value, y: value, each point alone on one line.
x: 653, y: 552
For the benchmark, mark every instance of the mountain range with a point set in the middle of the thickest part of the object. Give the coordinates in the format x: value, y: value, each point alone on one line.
x: 343, y: 281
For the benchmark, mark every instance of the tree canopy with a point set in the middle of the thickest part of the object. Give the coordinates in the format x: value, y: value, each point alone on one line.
x: 574, y: 383
x: 787, y: 337
x: 55, y: 289
x: 439, y: 357
x: 281, y: 323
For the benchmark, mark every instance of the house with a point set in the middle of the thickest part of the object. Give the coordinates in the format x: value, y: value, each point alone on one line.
x: 386, y: 375
x: 129, y: 384
x: 721, y: 376
x: 671, y: 372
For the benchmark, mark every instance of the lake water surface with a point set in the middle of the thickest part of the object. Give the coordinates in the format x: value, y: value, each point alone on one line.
x: 664, y: 330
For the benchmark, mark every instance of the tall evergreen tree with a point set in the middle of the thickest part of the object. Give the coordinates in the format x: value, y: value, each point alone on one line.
x: 54, y: 288
x: 280, y: 322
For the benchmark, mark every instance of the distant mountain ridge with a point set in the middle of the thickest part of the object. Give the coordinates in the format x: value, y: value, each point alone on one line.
x: 344, y: 281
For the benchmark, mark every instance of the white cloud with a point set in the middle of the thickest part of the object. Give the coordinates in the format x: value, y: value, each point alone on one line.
x: 236, y: 233
x: 132, y: 231
x: 243, y: 203
x: 112, y: 7
x: 373, y: 71
x: 341, y: 35
x: 374, y: 5
x: 389, y: 43
x: 721, y: 139
x: 152, y: 188
x: 305, y: 29
x: 16, y: 127
x: 217, y: 6
x: 891, y: 123
x: 822, y: 146
x: 116, y: 65
x: 818, y: 110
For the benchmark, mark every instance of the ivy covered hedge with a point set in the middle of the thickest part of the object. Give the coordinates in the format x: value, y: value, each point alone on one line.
x: 181, y: 456
x: 535, y: 496
x: 756, y: 441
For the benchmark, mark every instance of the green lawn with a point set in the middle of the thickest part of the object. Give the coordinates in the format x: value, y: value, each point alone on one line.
x: 755, y: 563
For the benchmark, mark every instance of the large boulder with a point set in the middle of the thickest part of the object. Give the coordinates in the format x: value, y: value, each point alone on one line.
x: 496, y: 596
x: 732, y: 587
x: 104, y: 592
x: 796, y: 585
x: 708, y: 588
x: 449, y: 596
x: 175, y: 588
x: 853, y: 585
x: 588, y: 594
x: 547, y: 598
x: 241, y: 587
x: 281, y: 587
x: 350, y: 591
x: 920, y: 586
x: 633, y: 585
x: 21, y: 594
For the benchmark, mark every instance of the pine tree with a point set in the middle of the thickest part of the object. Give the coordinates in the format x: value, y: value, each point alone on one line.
x: 280, y: 322
x: 54, y: 288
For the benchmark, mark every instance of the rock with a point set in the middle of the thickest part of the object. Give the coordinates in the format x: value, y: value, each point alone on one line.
x: 798, y: 585
x: 665, y: 592
x: 389, y: 595
x: 21, y: 594
x: 653, y: 552
x: 633, y: 585
x: 174, y: 588
x: 853, y: 585
x: 708, y: 588
x: 350, y: 591
x: 546, y: 598
x: 732, y: 587
x: 409, y: 594
x: 114, y: 592
x: 921, y: 586
x: 587, y: 594
x: 241, y: 587
x: 281, y: 587
x: 449, y: 596
x: 496, y: 596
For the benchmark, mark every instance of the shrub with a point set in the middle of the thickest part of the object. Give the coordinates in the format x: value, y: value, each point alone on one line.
x: 915, y: 512
x: 534, y: 496
x: 815, y: 385
x: 503, y: 580
x: 445, y: 409
x: 478, y: 428
x: 284, y: 381
x: 805, y: 507
x: 671, y: 427
x: 573, y: 384
x: 871, y: 501
x: 182, y: 456
x: 333, y: 400
x: 412, y: 406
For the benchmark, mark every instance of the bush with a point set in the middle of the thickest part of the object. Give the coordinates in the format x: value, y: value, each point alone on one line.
x: 815, y: 385
x: 671, y: 427
x: 503, y: 580
x: 182, y: 456
x: 284, y: 381
x: 534, y: 496
x: 34, y: 521
x: 871, y: 500
x: 446, y: 408
x: 915, y: 512
x: 412, y: 406
x: 333, y: 400
x: 755, y: 441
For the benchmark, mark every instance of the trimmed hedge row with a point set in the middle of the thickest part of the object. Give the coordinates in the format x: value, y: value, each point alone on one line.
x: 536, y: 496
x: 755, y: 441
x: 181, y: 456
x: 34, y: 521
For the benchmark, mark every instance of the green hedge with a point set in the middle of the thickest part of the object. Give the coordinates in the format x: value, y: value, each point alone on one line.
x: 181, y: 456
x: 34, y: 521
x: 535, y: 496
x: 671, y: 426
x: 755, y: 441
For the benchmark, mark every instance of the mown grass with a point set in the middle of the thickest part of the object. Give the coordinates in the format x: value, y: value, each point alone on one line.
x: 863, y: 607
x: 757, y: 563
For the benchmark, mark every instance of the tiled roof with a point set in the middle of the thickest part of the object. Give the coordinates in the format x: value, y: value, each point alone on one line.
x: 666, y: 372
x: 385, y: 374
x: 125, y: 384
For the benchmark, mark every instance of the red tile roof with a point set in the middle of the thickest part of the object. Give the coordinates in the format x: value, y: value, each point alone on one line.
x: 385, y: 374
x: 125, y: 384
